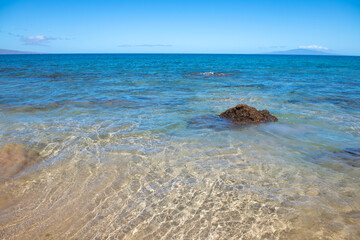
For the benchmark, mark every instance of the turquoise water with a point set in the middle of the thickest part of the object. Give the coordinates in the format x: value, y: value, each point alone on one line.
x: 132, y: 147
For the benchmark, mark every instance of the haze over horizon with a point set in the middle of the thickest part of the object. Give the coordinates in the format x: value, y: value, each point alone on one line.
x: 180, y: 27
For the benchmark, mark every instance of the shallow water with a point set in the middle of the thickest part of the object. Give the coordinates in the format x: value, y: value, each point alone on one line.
x: 133, y: 148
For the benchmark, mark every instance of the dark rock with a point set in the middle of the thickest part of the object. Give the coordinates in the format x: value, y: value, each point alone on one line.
x: 15, y: 157
x: 244, y: 114
x: 293, y: 101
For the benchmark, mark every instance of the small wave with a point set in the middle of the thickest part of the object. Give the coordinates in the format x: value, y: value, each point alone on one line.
x: 213, y: 74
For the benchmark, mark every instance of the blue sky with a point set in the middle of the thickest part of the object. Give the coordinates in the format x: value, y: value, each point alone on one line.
x: 181, y: 26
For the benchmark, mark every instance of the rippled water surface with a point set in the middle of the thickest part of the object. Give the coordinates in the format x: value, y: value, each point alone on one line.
x: 130, y: 147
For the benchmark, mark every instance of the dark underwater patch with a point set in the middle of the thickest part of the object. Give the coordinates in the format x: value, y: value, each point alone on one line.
x: 349, y: 156
x: 209, y: 121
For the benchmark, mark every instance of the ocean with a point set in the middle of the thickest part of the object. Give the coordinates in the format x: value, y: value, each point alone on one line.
x: 130, y: 146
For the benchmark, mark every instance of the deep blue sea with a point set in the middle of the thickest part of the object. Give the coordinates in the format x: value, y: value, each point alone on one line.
x: 132, y: 147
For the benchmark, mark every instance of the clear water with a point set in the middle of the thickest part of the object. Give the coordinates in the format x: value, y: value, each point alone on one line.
x: 133, y: 148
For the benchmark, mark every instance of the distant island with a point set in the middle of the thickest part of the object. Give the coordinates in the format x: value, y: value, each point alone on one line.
x: 301, y: 51
x: 7, y: 51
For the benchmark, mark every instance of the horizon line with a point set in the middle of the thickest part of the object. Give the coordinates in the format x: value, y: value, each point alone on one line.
x: 194, y: 53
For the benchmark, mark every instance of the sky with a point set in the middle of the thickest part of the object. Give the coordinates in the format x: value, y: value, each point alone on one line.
x: 179, y: 26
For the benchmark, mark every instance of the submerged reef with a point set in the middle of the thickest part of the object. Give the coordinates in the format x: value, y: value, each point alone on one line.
x: 16, y: 157
x: 244, y: 114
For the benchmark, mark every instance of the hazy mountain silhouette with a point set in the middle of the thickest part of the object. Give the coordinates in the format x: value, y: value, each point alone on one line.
x: 301, y: 51
x: 7, y: 51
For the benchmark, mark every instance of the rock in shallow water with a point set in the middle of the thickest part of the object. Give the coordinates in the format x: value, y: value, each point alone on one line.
x: 15, y: 157
x: 244, y: 114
